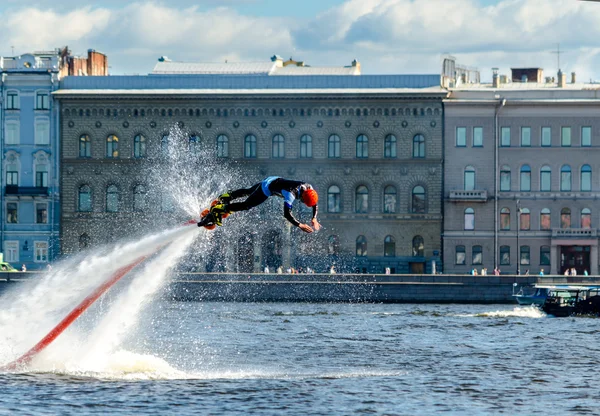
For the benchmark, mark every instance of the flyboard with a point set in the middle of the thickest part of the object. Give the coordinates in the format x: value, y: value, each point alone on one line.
x: 79, y: 309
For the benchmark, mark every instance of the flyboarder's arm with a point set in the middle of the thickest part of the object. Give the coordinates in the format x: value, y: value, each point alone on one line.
x: 287, y: 213
x: 314, y: 221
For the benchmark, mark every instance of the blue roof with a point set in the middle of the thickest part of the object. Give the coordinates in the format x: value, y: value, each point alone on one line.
x: 137, y: 82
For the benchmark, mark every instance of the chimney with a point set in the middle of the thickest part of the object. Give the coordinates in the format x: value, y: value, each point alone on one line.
x: 356, y: 64
x: 573, y: 78
x: 562, y: 79
x: 278, y: 61
x: 495, y: 78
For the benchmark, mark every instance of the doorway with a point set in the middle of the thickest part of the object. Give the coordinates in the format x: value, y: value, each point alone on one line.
x: 577, y: 257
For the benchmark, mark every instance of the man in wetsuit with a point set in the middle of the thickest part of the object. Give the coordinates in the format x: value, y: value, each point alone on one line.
x: 257, y: 194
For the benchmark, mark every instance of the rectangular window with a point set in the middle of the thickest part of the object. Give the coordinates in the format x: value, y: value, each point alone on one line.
x: 12, y: 132
x: 565, y: 137
x: 525, y: 258
x: 477, y: 136
x: 525, y: 136
x: 42, y: 101
x: 545, y: 256
x: 505, y: 255
x: 12, y: 176
x: 40, y: 251
x: 586, y: 136
x: 42, y: 132
x: 546, y: 136
x: 12, y: 100
x: 12, y: 212
x: 505, y: 137
x: 461, y: 136
x: 11, y: 251
x: 477, y: 255
x: 41, y: 213
x: 461, y: 257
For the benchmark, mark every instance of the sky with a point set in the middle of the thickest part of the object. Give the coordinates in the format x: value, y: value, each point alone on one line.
x: 385, y: 36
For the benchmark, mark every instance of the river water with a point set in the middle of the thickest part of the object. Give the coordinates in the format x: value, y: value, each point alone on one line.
x: 323, y: 359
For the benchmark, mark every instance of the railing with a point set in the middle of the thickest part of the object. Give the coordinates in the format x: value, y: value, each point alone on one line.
x: 574, y: 233
x: 26, y: 190
x: 480, y: 196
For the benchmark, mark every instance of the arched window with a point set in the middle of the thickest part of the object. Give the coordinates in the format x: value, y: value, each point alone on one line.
x: 525, y: 219
x: 85, y: 199
x: 477, y: 255
x: 139, y: 198
x: 85, y: 146
x: 469, y: 219
x: 222, y: 146
x: 333, y: 199
x: 545, y: 222
x: 361, y: 246
x: 586, y: 178
x: 164, y: 145
x: 84, y: 241
x: 389, y: 246
x: 139, y: 146
x: 333, y: 146
x: 362, y: 146
x: 112, y: 199
x: 278, y: 147
x: 586, y: 218
x: 460, y: 256
x: 505, y: 219
x: 419, y: 146
x: 469, y: 178
x: 333, y: 245
x: 41, y: 168
x: 505, y: 178
x: 250, y: 146
x: 505, y: 255
x: 194, y: 144
x: 525, y: 256
x: 419, y: 201
x: 525, y: 178
x: 565, y: 218
x: 389, y: 147
x: 565, y: 178
x: 418, y: 246
x: 545, y: 256
x: 362, y: 199
x: 112, y: 146
x: 389, y: 199
x: 12, y: 169
x: 545, y: 179
x: 306, y: 146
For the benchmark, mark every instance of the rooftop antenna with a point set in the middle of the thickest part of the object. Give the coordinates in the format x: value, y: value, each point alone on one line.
x: 558, y: 52
x: 13, y: 50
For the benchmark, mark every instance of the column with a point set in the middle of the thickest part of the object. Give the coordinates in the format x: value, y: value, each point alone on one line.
x: 554, y: 258
x: 594, y: 259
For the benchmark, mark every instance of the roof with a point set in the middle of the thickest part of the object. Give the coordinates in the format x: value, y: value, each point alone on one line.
x: 316, y: 70
x: 237, y: 68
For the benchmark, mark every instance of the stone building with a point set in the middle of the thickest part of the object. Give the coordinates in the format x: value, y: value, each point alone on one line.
x: 521, y: 181
x: 371, y: 145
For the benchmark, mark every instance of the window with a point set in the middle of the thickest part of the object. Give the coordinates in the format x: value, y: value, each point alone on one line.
x: 418, y: 246
x: 11, y: 251
x: 139, y: 198
x: 525, y: 178
x: 586, y: 136
x: 477, y: 255
x: 41, y: 175
x: 13, y: 135
x: 586, y: 218
x: 545, y: 179
x: 41, y: 213
x: 333, y: 146
x: 362, y: 200
x: 278, y: 147
x: 164, y: 145
x: 112, y: 146
x: 389, y: 246
x: 505, y: 255
x: 42, y: 132
x: 361, y: 246
x: 194, y: 143
x: 12, y: 212
x: 419, y: 146
x: 565, y: 136
x: 419, y: 202
x: 461, y: 137
x: 112, y: 199
x: 333, y: 199
x: 505, y: 219
x: 586, y: 178
x: 460, y: 256
x: 565, y: 218
x: 250, y: 146
x: 525, y: 136
x: 469, y: 178
x: 477, y: 136
x: 545, y: 219
x: 469, y: 219
x: 42, y: 101
x: 85, y: 146
x: 362, y: 146
x: 565, y: 178
x: 306, y: 146
x: 389, y: 199
x: 85, y: 199
x: 222, y: 146
x: 505, y: 137
x: 139, y: 146
x: 505, y: 178
x: 389, y: 147
x: 525, y: 219
x: 40, y: 249
x: 84, y: 241
x: 546, y: 136
x: 12, y: 100
x: 525, y: 255
x: 545, y: 256
x: 12, y: 173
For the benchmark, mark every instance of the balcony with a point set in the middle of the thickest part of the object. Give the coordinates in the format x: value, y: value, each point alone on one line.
x: 468, y: 196
x: 26, y: 190
x: 574, y: 233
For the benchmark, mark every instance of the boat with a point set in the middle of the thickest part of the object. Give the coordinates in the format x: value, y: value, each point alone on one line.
x: 531, y: 295
x: 569, y: 300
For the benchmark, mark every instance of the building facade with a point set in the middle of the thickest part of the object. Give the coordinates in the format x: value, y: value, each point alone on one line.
x: 371, y: 145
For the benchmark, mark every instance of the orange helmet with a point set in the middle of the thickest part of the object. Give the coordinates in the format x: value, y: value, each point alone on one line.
x: 310, y: 197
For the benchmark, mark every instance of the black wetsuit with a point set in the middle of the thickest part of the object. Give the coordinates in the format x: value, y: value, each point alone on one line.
x: 257, y: 194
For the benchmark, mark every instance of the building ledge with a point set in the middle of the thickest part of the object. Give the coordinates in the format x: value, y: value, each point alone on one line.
x: 472, y: 196
x: 26, y: 190
x: 574, y: 233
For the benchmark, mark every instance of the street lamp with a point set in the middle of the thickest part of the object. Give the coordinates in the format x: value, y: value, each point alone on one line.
x: 518, y: 228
